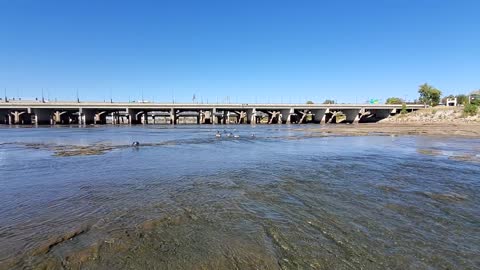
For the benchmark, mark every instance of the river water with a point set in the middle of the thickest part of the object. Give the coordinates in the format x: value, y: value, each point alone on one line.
x: 283, y: 199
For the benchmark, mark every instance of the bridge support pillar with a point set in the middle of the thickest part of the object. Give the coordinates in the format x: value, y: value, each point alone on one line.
x: 100, y: 118
x: 324, y: 117
x: 116, y: 118
x: 125, y: 119
x: 331, y: 116
x: 252, y: 116
x: 131, y: 116
x: 214, y: 118
x: 20, y: 117
x: 303, y: 115
x: 225, y: 119
x: 144, y: 118
x: 241, y: 117
x: 273, y: 116
x: 173, y: 116
x: 60, y: 117
x: 199, y: 118
x: 361, y: 114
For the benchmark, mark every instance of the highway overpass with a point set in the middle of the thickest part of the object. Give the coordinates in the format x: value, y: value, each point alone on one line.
x: 86, y: 113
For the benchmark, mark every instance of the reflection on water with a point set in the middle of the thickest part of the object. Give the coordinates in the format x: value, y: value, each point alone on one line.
x: 284, y: 199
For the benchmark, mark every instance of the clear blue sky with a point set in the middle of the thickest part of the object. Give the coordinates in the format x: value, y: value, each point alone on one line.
x: 248, y: 50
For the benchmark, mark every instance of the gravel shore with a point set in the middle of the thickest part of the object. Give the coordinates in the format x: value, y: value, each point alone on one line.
x: 470, y: 130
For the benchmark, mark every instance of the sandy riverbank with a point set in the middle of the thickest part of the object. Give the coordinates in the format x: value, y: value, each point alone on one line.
x: 436, y: 121
x: 470, y: 130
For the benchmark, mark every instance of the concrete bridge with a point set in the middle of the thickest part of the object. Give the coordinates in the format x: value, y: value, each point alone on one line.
x: 86, y: 113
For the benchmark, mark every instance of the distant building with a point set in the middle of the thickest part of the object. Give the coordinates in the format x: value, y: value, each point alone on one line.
x: 451, y: 102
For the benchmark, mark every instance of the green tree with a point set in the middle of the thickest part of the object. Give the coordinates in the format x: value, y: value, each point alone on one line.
x: 462, y: 99
x: 329, y: 101
x: 394, y: 100
x: 404, y: 109
x: 310, y: 102
x: 475, y: 100
x: 470, y: 109
x: 475, y: 97
x: 429, y: 94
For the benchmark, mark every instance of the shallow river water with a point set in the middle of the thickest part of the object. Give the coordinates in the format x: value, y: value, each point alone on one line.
x: 283, y: 199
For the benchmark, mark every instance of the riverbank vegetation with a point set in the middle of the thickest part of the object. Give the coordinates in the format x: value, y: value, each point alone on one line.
x: 470, y: 110
x: 439, y: 109
x: 429, y: 95
x: 394, y: 100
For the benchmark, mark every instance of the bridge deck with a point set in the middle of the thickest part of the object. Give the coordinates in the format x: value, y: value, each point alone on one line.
x: 167, y: 106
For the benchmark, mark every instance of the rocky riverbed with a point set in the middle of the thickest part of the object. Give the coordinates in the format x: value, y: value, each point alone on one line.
x: 434, y: 115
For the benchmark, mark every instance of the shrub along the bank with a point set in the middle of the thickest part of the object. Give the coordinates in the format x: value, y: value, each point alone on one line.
x: 470, y: 109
